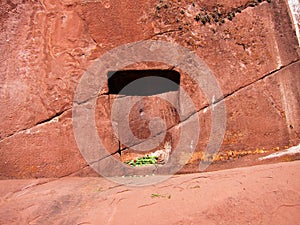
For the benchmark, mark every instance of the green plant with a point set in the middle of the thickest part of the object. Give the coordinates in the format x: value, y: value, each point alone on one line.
x: 156, y: 195
x: 196, y: 186
x: 160, y: 196
x: 146, y: 160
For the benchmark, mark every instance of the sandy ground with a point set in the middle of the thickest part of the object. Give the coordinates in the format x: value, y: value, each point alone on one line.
x: 263, y: 194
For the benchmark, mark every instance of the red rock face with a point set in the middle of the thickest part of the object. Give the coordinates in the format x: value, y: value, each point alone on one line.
x: 46, y: 47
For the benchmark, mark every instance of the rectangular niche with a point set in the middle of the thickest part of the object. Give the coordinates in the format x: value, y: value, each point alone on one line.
x: 159, y: 90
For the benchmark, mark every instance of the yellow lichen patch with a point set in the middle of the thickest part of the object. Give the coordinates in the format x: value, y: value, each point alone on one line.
x: 186, y: 157
x: 288, y: 159
x: 232, y: 137
x: 227, y: 155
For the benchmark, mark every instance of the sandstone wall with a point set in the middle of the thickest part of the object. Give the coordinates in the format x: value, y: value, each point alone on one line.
x: 46, y: 46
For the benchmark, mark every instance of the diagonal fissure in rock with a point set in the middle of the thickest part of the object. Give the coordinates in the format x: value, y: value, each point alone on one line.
x: 260, y: 78
x: 193, y: 113
x: 213, y: 104
x: 40, y: 123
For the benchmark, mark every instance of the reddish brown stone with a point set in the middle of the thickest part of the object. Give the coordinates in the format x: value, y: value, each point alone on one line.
x: 46, y: 47
x: 240, y: 51
x: 42, y: 63
x: 104, y: 124
x: 46, y: 150
x: 264, y: 115
x: 284, y: 97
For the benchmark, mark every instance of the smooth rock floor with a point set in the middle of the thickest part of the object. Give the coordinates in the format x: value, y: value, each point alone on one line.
x: 264, y: 194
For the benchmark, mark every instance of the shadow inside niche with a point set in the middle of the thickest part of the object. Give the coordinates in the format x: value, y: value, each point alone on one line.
x: 143, y: 82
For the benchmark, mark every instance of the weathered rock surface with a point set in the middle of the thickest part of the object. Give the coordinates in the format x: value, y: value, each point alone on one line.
x: 46, y: 47
x: 24, y: 154
x: 267, y: 194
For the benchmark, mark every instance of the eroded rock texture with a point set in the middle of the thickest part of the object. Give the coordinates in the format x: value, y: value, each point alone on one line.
x: 46, y: 46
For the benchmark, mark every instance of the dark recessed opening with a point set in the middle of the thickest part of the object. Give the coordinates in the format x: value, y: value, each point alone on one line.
x: 143, y: 82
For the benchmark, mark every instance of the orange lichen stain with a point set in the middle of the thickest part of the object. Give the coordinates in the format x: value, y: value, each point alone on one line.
x: 196, y: 156
x: 228, y: 155
x: 282, y: 113
x: 31, y: 170
x: 232, y: 137
x: 288, y: 159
